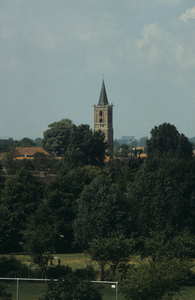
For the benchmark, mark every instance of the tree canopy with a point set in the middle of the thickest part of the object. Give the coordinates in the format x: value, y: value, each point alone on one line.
x: 165, y: 139
x: 56, y: 138
x: 102, y: 209
x: 86, y: 147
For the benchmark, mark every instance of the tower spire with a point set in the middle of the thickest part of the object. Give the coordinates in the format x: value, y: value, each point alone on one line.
x: 103, y: 117
x: 103, y: 100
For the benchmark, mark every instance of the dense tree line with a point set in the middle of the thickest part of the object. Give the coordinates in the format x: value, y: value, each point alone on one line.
x: 147, y: 206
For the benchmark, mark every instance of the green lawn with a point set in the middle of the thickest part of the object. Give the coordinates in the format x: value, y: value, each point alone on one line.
x: 34, y: 290
x: 75, y: 260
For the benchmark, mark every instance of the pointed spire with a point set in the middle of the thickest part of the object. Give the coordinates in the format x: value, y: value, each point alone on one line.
x: 103, y: 97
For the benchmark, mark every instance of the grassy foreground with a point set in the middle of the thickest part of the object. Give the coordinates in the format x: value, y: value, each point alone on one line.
x: 74, y: 260
x: 34, y: 290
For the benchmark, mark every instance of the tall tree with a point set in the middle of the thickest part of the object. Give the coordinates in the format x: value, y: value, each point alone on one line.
x: 40, y: 235
x: 111, y: 250
x: 22, y: 195
x: 165, y: 139
x: 86, y: 147
x: 62, y: 197
x: 102, y: 209
x: 56, y: 138
x: 161, y: 197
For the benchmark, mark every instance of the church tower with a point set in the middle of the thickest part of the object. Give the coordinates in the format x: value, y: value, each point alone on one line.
x: 103, y: 117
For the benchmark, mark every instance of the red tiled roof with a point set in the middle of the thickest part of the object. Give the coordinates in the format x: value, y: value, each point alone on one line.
x: 30, y: 151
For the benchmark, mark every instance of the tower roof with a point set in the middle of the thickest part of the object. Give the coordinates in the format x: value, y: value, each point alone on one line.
x: 103, y: 97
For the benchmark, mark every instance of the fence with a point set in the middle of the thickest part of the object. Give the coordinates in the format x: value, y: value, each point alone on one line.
x: 113, y: 284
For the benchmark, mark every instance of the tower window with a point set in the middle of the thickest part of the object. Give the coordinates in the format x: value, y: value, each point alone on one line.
x: 100, y: 113
x: 100, y: 120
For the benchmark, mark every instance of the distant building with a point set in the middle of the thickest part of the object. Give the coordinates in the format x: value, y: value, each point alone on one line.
x: 29, y: 151
x: 126, y: 140
x: 103, y: 118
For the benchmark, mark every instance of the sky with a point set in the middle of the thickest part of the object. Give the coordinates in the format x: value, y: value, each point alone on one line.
x: 55, y: 53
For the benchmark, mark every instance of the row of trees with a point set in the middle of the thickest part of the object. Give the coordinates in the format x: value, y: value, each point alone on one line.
x: 114, y: 211
x: 9, y: 144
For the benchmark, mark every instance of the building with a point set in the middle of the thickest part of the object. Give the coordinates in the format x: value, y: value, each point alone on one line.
x: 29, y: 151
x: 103, y: 117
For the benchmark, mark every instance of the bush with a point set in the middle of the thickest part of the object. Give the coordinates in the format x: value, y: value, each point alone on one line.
x: 87, y: 273
x: 155, y: 281
x: 72, y: 288
x: 4, y: 295
x: 58, y: 271
x: 11, y: 267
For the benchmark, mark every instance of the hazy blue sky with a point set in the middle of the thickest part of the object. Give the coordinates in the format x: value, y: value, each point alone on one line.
x: 53, y: 54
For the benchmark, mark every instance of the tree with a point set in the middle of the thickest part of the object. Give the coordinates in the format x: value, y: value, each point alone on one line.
x: 116, y: 145
x: 102, y: 209
x: 111, y: 250
x: 155, y: 281
x: 86, y: 147
x: 38, y: 142
x: 4, y: 295
x: 22, y: 195
x: 62, y: 197
x: 165, y: 139
x: 162, y: 196
x: 9, y: 161
x: 40, y: 236
x: 142, y: 141
x: 71, y: 287
x: 123, y: 151
x: 5, y: 227
x: 56, y: 138
x: 26, y: 142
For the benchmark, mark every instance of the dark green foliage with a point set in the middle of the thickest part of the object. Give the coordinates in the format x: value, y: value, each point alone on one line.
x: 11, y: 267
x: 116, y: 145
x: 72, y: 288
x: 62, y: 195
x: 162, y: 196
x: 26, y: 142
x: 86, y: 147
x: 116, y: 167
x: 6, y: 220
x: 102, y: 209
x: 21, y: 195
x: 4, y: 295
x: 40, y: 236
x: 112, y: 250
x: 58, y: 271
x: 156, y: 281
x: 178, y: 245
x: 56, y: 138
x: 9, y: 162
x: 123, y: 151
x: 166, y: 140
x: 87, y: 273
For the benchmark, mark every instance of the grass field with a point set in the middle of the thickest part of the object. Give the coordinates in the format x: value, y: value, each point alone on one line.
x: 34, y: 290
x: 75, y: 260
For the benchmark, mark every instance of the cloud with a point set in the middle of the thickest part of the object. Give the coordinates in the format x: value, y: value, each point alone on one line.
x: 189, y: 14
x: 151, y: 32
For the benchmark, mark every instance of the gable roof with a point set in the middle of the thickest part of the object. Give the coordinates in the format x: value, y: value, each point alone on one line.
x: 103, y: 96
x: 30, y: 151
